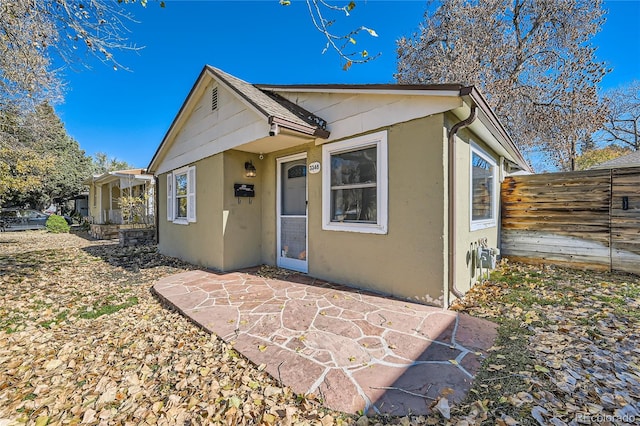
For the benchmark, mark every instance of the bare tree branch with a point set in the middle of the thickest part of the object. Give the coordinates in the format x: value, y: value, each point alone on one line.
x: 533, y: 60
x: 341, y: 44
x: 623, y: 116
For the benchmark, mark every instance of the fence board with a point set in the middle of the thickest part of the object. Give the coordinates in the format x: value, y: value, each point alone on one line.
x: 574, y: 218
x: 625, y: 224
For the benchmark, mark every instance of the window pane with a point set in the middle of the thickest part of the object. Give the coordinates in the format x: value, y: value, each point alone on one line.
x: 294, y: 188
x: 354, y: 167
x: 181, y: 207
x: 482, y: 189
x: 297, y: 171
x: 181, y: 184
x: 354, y: 205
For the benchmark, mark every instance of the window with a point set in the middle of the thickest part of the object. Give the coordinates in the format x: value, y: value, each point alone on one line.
x: 483, y: 190
x: 354, y: 184
x: 296, y: 172
x: 181, y: 195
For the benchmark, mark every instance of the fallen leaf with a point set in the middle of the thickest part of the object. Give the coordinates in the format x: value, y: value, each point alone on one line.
x: 53, y: 364
x: 538, y: 414
x: 443, y: 407
x: 42, y: 420
x: 541, y: 369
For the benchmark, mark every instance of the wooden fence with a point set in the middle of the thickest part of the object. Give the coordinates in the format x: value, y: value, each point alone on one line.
x: 587, y: 219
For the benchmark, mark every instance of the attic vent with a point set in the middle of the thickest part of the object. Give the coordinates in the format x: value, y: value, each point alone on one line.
x: 214, y: 99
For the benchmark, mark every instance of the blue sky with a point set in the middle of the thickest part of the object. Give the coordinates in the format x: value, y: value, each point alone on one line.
x: 126, y: 113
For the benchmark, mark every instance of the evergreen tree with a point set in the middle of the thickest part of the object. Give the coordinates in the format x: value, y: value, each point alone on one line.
x: 40, y: 163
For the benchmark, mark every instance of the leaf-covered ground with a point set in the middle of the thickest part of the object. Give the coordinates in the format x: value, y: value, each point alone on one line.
x: 82, y: 340
x: 568, y: 348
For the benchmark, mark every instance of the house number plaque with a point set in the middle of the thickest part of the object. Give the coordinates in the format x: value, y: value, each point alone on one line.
x: 314, y: 167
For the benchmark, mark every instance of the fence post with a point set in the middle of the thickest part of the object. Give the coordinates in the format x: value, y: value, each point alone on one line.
x: 610, y: 221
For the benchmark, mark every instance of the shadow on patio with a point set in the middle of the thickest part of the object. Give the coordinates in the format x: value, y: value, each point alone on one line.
x: 357, y: 350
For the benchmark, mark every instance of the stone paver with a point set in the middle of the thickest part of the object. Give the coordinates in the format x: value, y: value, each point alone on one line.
x: 358, y: 351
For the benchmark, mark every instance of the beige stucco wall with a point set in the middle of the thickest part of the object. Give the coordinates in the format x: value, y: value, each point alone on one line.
x: 409, y: 260
x: 242, y: 224
x: 466, y: 275
x: 201, y: 242
x: 226, y: 234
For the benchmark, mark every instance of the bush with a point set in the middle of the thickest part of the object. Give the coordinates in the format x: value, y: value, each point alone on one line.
x: 57, y: 224
x: 135, y: 209
x: 84, y: 225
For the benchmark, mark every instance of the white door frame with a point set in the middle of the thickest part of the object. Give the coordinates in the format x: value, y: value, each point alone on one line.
x: 285, y: 262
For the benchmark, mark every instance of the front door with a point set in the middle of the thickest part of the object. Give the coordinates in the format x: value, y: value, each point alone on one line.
x: 292, y: 212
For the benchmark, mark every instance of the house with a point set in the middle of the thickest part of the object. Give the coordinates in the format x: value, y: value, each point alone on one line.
x: 81, y: 204
x: 629, y: 160
x: 383, y: 187
x: 105, y: 192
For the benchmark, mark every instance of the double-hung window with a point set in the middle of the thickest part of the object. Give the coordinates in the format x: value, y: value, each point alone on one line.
x: 354, y: 184
x: 181, y: 195
x: 483, y: 189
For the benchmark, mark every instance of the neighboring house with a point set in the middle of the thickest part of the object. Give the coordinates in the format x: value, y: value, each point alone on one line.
x: 355, y: 184
x: 81, y: 205
x: 106, y: 189
x: 629, y: 160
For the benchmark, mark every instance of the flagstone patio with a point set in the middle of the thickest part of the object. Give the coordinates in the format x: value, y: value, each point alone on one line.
x: 358, y: 351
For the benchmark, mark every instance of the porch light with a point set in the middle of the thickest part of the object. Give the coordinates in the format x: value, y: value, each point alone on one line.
x: 250, y: 169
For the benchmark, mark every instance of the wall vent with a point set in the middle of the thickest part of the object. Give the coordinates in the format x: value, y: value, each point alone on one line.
x: 214, y: 99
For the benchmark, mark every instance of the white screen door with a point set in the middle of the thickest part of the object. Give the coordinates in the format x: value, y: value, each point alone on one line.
x: 292, y: 212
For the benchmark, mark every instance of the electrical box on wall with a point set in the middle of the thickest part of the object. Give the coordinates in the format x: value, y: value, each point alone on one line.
x: 488, y: 257
x: 243, y: 190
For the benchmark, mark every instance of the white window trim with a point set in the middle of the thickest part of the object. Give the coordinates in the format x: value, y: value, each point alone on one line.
x: 378, y: 139
x: 191, y: 196
x: 476, y: 225
x: 294, y: 264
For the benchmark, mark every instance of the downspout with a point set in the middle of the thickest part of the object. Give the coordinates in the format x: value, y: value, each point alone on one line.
x: 156, y: 205
x: 502, y: 177
x: 451, y: 195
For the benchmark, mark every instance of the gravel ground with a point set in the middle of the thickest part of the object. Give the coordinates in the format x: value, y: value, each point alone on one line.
x: 82, y: 340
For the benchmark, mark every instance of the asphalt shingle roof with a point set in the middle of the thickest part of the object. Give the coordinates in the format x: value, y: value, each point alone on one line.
x: 629, y: 160
x: 271, y: 104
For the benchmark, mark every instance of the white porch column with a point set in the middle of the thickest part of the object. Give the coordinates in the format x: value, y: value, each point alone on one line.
x: 110, y: 200
x: 98, y: 205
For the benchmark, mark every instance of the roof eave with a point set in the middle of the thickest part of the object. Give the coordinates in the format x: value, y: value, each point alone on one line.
x: 380, y: 89
x: 150, y: 167
x: 209, y: 70
x: 234, y: 89
x: 494, y: 125
x: 307, y: 130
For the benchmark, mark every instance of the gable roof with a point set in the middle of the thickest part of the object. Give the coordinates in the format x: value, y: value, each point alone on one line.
x: 136, y: 174
x: 273, y: 106
x: 268, y: 102
x: 471, y: 93
x: 629, y: 160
